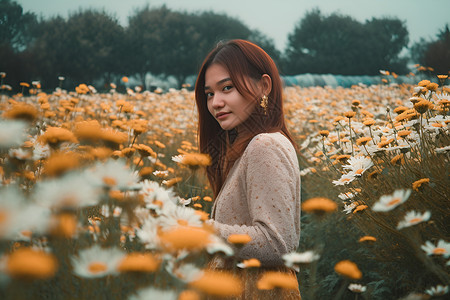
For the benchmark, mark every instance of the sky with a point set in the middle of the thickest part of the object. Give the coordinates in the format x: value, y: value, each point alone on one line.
x: 274, y: 18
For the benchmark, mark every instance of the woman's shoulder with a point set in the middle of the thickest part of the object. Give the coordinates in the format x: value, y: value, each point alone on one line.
x: 270, y: 141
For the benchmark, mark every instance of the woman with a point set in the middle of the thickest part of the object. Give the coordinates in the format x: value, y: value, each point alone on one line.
x: 254, y: 172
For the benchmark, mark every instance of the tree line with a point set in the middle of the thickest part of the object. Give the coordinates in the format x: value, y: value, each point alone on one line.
x: 91, y: 45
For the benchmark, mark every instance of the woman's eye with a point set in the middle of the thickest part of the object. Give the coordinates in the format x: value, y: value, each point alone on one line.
x: 208, y: 95
x: 228, y: 87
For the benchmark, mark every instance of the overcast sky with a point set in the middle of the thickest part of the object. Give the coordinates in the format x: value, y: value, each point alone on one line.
x: 275, y: 18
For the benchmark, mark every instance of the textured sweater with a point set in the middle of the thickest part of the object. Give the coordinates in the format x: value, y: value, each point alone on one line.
x: 261, y: 197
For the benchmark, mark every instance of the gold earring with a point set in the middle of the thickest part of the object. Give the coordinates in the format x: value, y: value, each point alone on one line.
x: 264, y: 102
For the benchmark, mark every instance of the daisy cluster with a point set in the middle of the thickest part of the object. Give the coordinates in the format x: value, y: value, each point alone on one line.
x: 382, y: 153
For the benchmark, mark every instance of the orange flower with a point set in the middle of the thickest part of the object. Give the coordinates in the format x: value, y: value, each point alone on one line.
x: 207, y: 199
x: 139, y: 262
x: 270, y: 280
x: 64, y: 225
x: 422, y: 106
x: 367, y: 238
x: 125, y: 79
x: 189, y: 295
x: 217, y: 283
x: 29, y: 263
x: 319, y: 205
x: 196, y: 160
x: 348, y: 269
x: 55, y: 135
x: 360, y: 208
x: 239, y: 238
x: 418, y: 183
x: 324, y: 133
x: 21, y: 111
x: 59, y: 163
x: 349, y: 114
x: 364, y: 140
x: 184, y: 237
x: 250, y: 263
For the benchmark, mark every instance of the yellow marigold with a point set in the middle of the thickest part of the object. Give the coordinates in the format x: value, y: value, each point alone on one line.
x: 172, y: 182
x: 360, y: 208
x: 349, y: 114
x: 324, y: 133
x: 356, y: 102
x: 59, y: 163
x: 145, y: 172
x: 418, y: 183
x: 139, y: 262
x: 400, y: 109
x: 367, y: 238
x: 342, y: 157
x: 363, y: 141
x: 145, y: 150
x: 424, y: 83
x: 125, y: 79
x: 398, y: 159
x: 29, y: 263
x: 88, y: 130
x: 207, y: 199
x: 184, y: 237
x: 369, y: 122
x: 63, y: 225
x: 159, y: 144
x: 113, y: 139
x: 272, y: 279
x: 196, y: 160
x: 53, y: 136
x: 385, y: 143
x: 21, y: 111
x: 348, y: 269
x: 403, y: 133
x: 442, y: 76
x: 239, y: 238
x: 189, y: 295
x: 422, y: 106
x: 250, y: 263
x: 218, y: 283
x: 319, y: 205
x: 432, y: 86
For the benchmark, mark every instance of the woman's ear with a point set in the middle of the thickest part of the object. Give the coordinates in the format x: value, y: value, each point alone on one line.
x: 266, y: 84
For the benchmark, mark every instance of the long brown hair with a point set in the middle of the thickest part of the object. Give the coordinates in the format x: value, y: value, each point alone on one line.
x: 243, y: 60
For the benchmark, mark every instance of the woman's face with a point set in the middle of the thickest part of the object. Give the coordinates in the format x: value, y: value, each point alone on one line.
x: 225, y: 103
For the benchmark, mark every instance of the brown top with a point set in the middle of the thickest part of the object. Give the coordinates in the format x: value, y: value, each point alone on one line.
x: 261, y: 197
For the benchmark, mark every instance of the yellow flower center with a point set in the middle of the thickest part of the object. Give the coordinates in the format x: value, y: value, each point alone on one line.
x: 109, y: 181
x: 182, y: 222
x: 415, y: 220
x: 359, y: 171
x: 97, y: 267
x: 394, y: 201
x: 439, y: 251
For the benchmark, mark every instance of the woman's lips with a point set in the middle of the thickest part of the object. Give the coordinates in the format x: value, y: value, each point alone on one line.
x: 220, y: 116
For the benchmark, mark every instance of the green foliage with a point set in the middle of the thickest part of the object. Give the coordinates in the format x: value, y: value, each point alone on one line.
x: 339, y: 44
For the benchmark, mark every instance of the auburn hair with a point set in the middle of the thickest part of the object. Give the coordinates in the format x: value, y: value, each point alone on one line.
x: 245, y: 63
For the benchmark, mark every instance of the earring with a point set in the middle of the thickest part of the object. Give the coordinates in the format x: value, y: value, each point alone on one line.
x: 264, y: 102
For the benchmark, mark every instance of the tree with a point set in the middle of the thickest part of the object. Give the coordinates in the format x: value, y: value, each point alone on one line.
x: 16, y: 27
x: 84, y: 48
x: 437, y: 53
x: 339, y: 44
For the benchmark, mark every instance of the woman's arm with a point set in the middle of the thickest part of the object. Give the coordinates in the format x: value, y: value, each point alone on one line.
x: 273, y: 197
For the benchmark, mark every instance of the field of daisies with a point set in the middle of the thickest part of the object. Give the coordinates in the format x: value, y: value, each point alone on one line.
x: 104, y: 196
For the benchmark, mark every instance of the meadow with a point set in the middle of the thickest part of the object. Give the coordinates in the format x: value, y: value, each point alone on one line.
x: 103, y: 195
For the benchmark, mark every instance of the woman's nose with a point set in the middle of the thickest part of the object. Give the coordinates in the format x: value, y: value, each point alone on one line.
x: 217, y: 101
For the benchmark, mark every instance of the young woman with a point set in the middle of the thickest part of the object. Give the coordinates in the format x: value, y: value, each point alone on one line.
x: 254, y: 172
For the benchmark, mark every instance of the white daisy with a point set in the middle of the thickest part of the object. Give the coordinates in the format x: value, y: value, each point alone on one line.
x: 345, y: 179
x: 152, y: 192
x: 346, y: 196
x: 40, y: 151
x: 357, y: 288
x: 412, y: 218
x: 71, y: 190
x: 348, y: 208
x: 442, y: 149
x: 153, y: 293
x: 97, y: 262
x: 217, y: 245
x: 148, y: 233
x: 173, y: 216
x: 114, y: 174
x: 12, y: 133
x: 178, y: 158
x: 442, y: 248
x: 186, y: 272
x: 358, y: 165
x: 293, y: 259
x: 438, y: 290
x: 389, y: 202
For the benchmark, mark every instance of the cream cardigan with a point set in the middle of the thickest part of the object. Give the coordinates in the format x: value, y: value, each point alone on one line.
x: 261, y: 197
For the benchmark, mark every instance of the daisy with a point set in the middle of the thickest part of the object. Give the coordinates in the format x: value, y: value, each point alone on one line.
x: 357, y: 288
x: 186, y: 272
x: 350, y: 207
x: 114, y: 174
x: 12, y: 133
x: 218, y: 245
x: 97, y: 262
x: 153, y: 293
x: 346, y: 196
x: 358, y: 165
x: 294, y: 258
x: 345, y: 179
x: 148, y: 233
x: 173, y: 216
x: 412, y: 218
x: 442, y: 248
x: 389, y: 202
x: 72, y: 190
x: 438, y: 290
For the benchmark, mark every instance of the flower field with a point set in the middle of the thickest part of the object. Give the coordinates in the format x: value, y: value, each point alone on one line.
x: 103, y: 195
